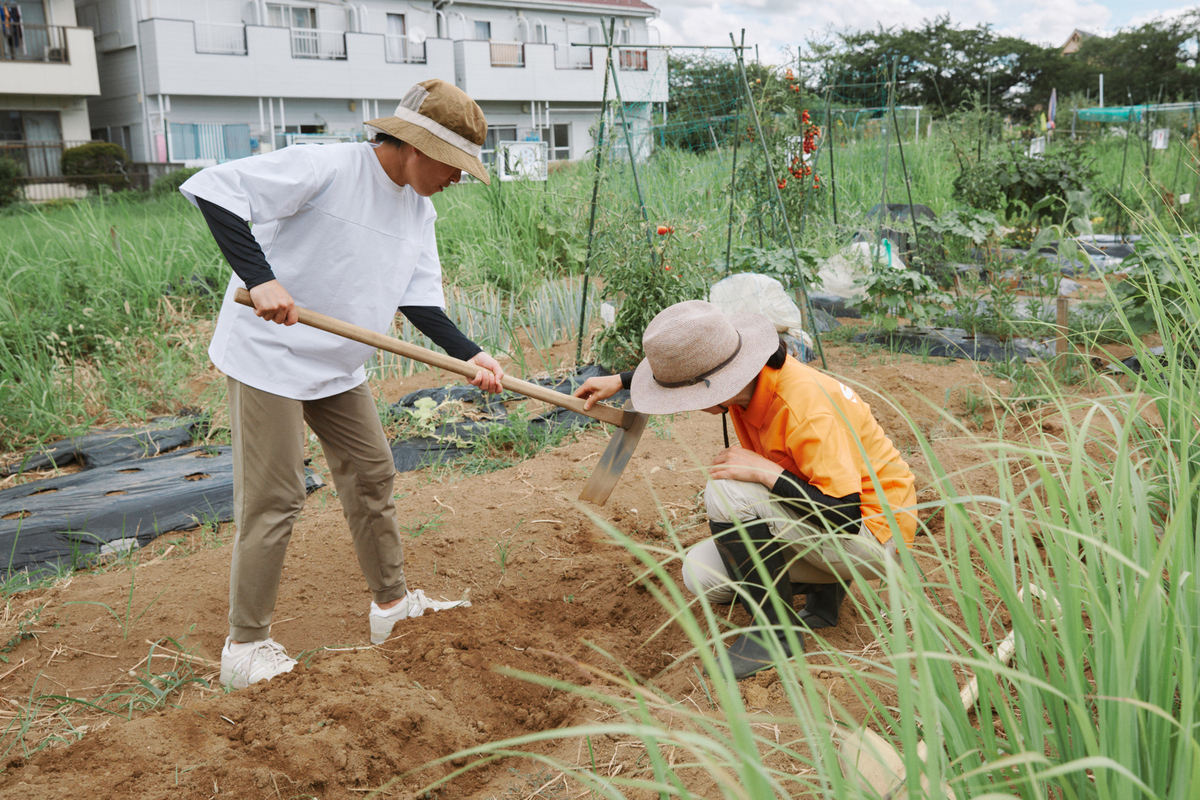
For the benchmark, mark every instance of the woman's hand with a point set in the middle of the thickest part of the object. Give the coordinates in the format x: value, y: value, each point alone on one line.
x: 594, y: 390
x: 489, y: 377
x: 739, y: 464
x: 273, y: 303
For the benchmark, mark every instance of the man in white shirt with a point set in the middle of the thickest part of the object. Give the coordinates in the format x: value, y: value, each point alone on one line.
x: 346, y: 230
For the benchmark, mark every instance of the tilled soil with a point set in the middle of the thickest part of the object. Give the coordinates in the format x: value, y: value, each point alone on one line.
x: 552, y: 594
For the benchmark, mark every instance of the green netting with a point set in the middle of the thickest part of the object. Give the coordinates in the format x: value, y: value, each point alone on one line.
x: 1115, y: 114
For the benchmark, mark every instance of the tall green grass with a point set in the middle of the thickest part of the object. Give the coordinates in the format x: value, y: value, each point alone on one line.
x: 1102, y: 701
x: 95, y: 299
x: 103, y: 303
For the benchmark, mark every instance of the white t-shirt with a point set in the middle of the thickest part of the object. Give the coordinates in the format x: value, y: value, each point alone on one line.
x: 343, y: 239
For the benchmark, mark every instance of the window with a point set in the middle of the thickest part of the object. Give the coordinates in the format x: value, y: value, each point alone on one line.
x: 40, y: 136
x: 30, y: 126
x: 307, y: 40
x: 559, y: 138
x: 634, y: 60
x: 496, y: 133
x: 483, y: 30
x: 281, y: 16
x: 397, y: 39
x: 25, y: 36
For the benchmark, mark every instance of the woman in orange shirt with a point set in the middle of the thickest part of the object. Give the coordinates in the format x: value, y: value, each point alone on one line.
x: 814, y: 491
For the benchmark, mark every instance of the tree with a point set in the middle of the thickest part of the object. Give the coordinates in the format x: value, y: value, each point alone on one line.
x: 1142, y: 65
x: 942, y: 66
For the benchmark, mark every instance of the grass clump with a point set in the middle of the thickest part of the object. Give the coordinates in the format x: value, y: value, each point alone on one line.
x: 1085, y: 555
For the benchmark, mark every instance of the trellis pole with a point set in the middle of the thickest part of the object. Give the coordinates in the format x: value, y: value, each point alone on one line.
x: 903, y: 166
x: 629, y: 146
x: 587, y: 262
x: 806, y: 311
x: 737, y: 136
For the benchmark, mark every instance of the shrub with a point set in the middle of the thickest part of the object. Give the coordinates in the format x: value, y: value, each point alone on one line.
x: 10, y: 186
x: 97, y: 164
x: 1010, y: 181
x: 170, y: 183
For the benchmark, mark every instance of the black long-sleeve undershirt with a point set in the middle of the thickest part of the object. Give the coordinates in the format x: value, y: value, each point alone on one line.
x: 245, y: 256
x: 237, y: 244
x: 839, y: 512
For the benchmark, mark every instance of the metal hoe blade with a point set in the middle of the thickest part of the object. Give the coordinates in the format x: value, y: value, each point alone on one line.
x: 613, y: 460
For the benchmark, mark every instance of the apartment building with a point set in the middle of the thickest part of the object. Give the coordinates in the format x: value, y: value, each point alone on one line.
x: 211, y: 80
x: 47, y: 73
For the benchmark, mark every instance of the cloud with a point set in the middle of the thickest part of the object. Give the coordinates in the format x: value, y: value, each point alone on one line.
x: 779, y: 26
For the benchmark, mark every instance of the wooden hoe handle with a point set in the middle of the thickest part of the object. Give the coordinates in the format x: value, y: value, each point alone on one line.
x: 600, y: 411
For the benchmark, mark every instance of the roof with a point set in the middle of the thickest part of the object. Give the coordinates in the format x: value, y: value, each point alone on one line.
x: 1076, y: 38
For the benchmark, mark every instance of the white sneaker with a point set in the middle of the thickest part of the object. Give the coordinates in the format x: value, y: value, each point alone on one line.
x: 251, y: 662
x: 414, y: 604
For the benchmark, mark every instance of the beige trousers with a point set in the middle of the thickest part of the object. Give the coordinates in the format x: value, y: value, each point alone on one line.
x: 819, y: 556
x: 268, y: 494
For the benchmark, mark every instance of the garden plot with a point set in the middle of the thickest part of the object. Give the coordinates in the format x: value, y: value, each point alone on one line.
x: 554, y: 594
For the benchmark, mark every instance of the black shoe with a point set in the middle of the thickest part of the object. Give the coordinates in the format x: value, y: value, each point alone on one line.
x: 752, y: 653
x: 821, y: 610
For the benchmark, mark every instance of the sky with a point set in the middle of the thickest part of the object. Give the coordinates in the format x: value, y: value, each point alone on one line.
x: 778, y: 27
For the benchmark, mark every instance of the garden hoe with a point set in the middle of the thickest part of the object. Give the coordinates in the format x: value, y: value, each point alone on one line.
x: 870, y: 758
x: 629, y: 424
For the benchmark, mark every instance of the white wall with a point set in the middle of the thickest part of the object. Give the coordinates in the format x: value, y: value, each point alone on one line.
x: 60, y: 12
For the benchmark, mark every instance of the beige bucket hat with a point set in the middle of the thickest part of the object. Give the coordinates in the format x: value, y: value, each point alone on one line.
x: 441, y: 121
x: 697, y: 357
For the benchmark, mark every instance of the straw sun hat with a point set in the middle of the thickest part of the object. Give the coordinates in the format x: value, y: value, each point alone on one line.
x: 697, y: 357
x: 441, y: 121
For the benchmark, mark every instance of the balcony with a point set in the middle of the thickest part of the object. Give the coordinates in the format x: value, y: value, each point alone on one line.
x: 568, y: 56
x: 221, y: 38
x: 633, y: 60
x: 263, y: 61
x: 507, y: 54
x: 314, y: 43
x: 556, y: 73
x: 44, y: 43
x: 399, y: 50
x: 49, y: 60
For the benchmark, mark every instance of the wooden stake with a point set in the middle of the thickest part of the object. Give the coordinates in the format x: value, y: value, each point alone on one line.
x: 1061, y: 345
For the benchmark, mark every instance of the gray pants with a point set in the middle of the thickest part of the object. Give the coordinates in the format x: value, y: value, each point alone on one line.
x: 268, y: 494
x: 818, y: 556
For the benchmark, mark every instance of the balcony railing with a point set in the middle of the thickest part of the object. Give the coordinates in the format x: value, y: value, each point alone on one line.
x: 224, y: 38
x: 633, y: 60
x: 314, y: 43
x: 46, y: 43
x: 38, y: 158
x: 572, y: 57
x: 399, y: 50
x: 508, y: 54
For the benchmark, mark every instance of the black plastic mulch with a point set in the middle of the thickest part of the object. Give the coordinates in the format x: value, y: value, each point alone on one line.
x: 454, y: 440
x: 68, y: 519
x: 956, y: 343
x: 100, y: 448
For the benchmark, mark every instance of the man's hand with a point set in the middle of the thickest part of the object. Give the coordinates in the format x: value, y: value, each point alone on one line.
x: 272, y: 302
x: 739, y: 464
x: 490, y: 375
x: 594, y: 390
